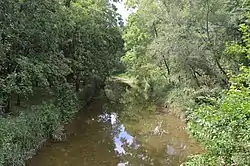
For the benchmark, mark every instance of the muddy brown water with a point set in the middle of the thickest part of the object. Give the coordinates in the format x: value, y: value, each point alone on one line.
x: 96, y: 138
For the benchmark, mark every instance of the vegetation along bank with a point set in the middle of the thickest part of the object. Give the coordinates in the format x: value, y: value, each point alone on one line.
x: 194, y: 56
x: 54, y: 55
x: 191, y: 56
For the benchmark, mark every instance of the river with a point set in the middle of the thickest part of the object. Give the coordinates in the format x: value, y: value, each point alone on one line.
x: 99, y: 136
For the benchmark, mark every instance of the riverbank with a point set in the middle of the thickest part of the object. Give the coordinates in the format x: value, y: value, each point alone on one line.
x: 25, y: 133
x: 100, y: 136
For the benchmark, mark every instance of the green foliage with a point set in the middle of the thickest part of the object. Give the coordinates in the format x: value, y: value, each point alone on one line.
x: 224, y: 128
x: 192, y: 52
x: 50, y: 43
x: 175, y: 50
x: 21, y: 136
x: 55, y: 46
x: 67, y: 101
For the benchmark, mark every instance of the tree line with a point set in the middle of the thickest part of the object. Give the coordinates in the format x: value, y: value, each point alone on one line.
x: 47, y: 44
x: 54, y: 54
x: 194, y: 55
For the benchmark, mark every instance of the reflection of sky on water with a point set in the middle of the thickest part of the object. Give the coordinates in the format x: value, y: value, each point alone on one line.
x: 123, y: 135
x: 170, y: 150
x: 122, y: 138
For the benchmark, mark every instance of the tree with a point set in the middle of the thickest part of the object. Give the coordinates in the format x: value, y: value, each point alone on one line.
x: 224, y: 126
x: 185, y: 39
x: 47, y: 44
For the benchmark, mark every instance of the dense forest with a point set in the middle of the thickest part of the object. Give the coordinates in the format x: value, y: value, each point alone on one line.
x: 190, y: 56
x: 194, y: 56
x: 53, y: 55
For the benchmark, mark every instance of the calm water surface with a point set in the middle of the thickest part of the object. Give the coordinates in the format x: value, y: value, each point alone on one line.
x: 96, y: 138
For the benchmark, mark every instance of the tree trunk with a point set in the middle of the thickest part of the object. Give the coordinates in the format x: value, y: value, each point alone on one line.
x: 18, y: 101
x: 8, y: 105
x: 225, y: 80
x: 36, y: 83
x: 70, y: 77
x: 166, y: 65
x: 155, y: 30
x: 77, y: 83
x: 195, y: 77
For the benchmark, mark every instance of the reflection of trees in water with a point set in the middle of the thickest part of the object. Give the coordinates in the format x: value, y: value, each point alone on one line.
x: 114, y: 91
x: 126, y: 99
x: 132, y: 106
x: 126, y: 146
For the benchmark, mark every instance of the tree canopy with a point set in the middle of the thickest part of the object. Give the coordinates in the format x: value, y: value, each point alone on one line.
x: 50, y: 43
x: 193, y: 54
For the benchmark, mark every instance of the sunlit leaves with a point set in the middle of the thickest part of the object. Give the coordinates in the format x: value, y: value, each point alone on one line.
x: 224, y: 127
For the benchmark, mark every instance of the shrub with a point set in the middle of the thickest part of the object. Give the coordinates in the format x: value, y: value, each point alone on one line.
x: 224, y: 128
x: 21, y: 136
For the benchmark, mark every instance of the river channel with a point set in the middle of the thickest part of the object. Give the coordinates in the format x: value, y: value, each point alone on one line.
x: 98, y: 136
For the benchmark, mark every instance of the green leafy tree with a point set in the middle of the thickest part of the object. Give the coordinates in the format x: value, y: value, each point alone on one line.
x: 186, y: 41
x: 224, y: 127
x: 46, y: 44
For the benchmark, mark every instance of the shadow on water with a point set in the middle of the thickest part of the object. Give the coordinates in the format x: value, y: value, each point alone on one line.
x: 99, y: 137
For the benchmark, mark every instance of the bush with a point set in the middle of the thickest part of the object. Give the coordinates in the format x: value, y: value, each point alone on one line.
x: 225, y: 128
x: 21, y: 136
x: 67, y: 102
